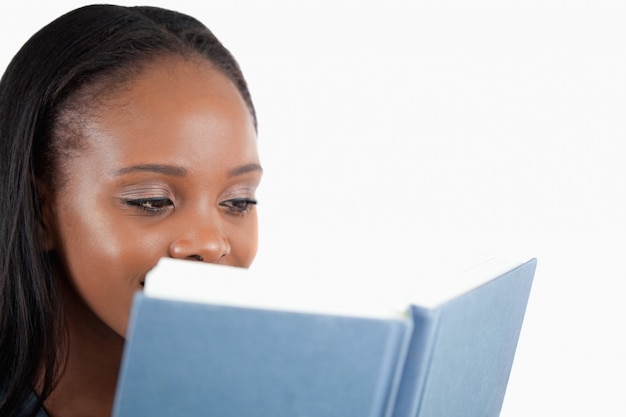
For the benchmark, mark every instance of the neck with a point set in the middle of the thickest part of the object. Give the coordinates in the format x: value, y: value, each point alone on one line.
x: 87, y: 384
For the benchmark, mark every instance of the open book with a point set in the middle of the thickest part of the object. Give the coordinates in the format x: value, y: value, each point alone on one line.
x: 219, y: 341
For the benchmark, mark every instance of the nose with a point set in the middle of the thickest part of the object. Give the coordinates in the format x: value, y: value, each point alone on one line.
x: 202, y: 243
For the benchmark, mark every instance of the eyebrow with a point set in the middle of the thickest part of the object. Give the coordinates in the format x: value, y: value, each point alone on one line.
x: 177, y: 171
x: 173, y: 170
x: 244, y: 169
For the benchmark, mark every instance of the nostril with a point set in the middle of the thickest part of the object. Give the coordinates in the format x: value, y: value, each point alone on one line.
x: 195, y: 258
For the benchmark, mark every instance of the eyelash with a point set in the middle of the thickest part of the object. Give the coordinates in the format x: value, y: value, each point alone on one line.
x: 239, y: 206
x: 156, y: 206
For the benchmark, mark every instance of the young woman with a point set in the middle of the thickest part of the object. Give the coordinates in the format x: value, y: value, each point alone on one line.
x: 126, y: 135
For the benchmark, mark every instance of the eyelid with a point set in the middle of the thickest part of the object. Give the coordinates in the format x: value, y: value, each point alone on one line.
x: 241, y: 191
x: 146, y: 191
x: 148, y: 199
x: 239, y: 200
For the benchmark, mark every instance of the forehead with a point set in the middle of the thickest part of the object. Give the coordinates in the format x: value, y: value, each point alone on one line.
x: 168, y: 83
x: 175, y: 111
x: 173, y: 96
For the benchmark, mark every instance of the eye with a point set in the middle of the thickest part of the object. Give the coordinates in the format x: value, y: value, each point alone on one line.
x: 153, y: 205
x: 239, y: 205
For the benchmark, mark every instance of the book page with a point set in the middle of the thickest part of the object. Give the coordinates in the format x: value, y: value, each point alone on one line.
x: 216, y: 284
x: 368, y: 292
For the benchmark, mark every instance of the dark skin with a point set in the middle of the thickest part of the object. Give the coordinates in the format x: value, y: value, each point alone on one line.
x: 169, y: 168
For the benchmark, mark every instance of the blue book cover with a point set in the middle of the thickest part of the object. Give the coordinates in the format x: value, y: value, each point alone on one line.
x: 459, y: 361
x: 198, y: 359
x: 241, y: 355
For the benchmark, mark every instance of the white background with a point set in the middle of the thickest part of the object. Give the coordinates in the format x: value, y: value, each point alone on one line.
x: 387, y: 131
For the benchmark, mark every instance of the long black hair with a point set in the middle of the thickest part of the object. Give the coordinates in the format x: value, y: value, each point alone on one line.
x: 98, y: 43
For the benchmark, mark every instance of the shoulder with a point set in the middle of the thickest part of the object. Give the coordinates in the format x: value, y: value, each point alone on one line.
x: 41, y: 412
x: 28, y: 408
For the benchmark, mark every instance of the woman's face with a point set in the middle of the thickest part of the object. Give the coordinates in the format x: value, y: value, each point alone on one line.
x: 169, y: 169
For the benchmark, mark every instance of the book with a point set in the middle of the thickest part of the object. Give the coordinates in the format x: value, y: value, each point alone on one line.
x: 212, y: 340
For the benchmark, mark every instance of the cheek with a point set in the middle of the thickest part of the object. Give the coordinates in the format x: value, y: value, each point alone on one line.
x: 244, y: 242
x: 98, y: 243
x: 105, y: 261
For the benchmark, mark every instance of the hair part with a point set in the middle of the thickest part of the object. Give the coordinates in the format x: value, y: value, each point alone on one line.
x: 81, y: 55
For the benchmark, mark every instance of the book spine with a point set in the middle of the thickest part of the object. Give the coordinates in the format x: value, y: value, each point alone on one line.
x: 415, y: 370
x: 399, y: 360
